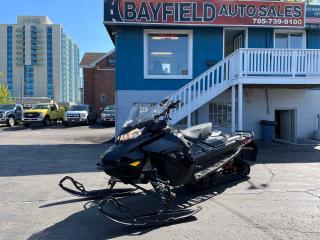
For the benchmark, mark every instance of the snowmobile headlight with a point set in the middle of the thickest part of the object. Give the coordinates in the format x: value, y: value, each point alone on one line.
x: 130, y: 135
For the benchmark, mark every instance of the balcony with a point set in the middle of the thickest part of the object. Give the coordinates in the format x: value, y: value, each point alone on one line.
x: 39, y: 59
x: 276, y: 66
x: 20, y: 46
x: 19, y: 59
x: 39, y: 47
x: 19, y: 41
x: 20, y: 35
x: 40, y: 36
x: 19, y: 30
x: 18, y: 53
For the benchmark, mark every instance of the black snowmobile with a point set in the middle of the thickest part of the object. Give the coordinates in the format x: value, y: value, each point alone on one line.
x: 148, y: 150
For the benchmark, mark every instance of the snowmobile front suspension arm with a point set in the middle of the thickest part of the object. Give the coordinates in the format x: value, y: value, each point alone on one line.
x: 95, y: 194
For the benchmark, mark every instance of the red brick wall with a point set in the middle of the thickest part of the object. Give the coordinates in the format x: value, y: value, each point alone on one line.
x: 99, y: 81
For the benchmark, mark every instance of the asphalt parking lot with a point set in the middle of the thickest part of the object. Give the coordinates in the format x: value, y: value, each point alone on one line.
x: 281, y: 200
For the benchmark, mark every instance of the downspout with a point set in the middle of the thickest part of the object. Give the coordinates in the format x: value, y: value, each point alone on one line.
x: 267, y: 98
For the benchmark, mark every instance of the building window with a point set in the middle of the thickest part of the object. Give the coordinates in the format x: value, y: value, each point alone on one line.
x: 9, y: 59
x: 220, y: 113
x: 168, y: 54
x: 49, y: 63
x: 143, y: 107
x: 33, y: 32
x: 289, y: 39
x: 112, y: 61
x: 29, y: 80
x: 103, y: 99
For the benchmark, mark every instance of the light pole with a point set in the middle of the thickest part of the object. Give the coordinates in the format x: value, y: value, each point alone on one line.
x: 81, y: 89
x: 81, y: 95
x: 2, y: 76
x: 21, y: 90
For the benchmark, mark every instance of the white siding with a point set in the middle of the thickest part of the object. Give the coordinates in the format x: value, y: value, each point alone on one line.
x: 305, y: 102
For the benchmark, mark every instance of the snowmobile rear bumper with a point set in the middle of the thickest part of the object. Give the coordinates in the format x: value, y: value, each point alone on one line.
x: 249, y: 152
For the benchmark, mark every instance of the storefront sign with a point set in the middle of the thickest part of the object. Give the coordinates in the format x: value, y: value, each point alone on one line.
x: 205, y: 12
x: 313, y: 17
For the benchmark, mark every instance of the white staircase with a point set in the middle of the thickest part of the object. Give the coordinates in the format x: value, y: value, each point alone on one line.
x: 247, y: 66
x: 206, y: 87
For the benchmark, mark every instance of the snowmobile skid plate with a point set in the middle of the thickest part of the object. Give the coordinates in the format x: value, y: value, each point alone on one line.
x: 95, y: 194
x: 161, y: 217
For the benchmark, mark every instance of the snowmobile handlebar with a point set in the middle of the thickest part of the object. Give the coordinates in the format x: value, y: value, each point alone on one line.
x: 166, y: 112
x: 173, y: 105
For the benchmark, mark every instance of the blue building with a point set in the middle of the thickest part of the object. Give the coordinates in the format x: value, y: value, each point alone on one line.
x: 233, y: 63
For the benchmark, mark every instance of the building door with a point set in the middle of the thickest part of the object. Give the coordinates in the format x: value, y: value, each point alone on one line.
x: 233, y: 40
x: 238, y: 42
x: 286, y: 125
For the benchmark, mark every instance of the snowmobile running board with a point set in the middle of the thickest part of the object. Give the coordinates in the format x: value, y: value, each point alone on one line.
x: 205, y: 172
x: 94, y: 194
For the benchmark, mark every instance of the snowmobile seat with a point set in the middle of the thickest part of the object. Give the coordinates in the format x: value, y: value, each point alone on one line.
x: 215, y: 141
x: 201, y: 131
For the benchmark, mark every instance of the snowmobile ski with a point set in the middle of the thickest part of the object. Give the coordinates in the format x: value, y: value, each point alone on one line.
x: 161, y: 217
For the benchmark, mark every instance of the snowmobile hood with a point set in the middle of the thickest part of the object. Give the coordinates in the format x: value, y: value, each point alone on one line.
x: 112, y: 154
x: 119, y: 153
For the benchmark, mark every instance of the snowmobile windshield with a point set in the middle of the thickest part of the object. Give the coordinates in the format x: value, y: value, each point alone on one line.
x: 140, y: 113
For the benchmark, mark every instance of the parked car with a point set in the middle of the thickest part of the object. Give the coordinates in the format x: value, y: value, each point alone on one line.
x: 80, y: 114
x: 43, y: 113
x: 108, y: 115
x: 10, y: 114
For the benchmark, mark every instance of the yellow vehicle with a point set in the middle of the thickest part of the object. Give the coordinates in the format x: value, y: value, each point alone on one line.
x: 43, y: 113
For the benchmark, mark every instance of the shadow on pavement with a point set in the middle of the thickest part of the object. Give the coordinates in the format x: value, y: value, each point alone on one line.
x: 86, y: 224
x: 101, y: 126
x: 89, y: 223
x: 37, y: 126
x: 24, y: 160
x: 286, y: 153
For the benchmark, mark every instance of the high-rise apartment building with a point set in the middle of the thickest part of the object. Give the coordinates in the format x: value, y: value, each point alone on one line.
x: 38, y: 59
